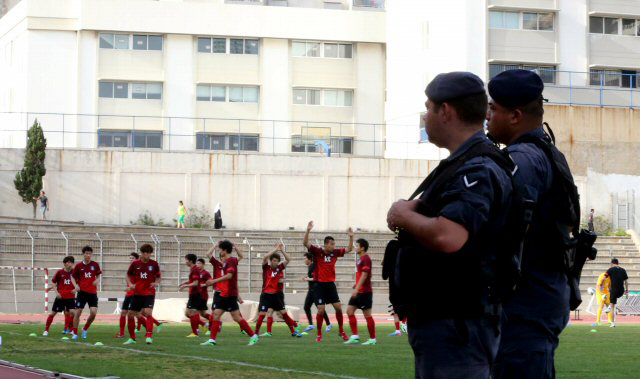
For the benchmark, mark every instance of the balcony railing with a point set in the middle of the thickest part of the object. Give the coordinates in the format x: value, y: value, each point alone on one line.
x: 325, y: 4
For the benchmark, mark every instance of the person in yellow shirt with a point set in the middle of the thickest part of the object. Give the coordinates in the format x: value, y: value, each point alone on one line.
x: 603, y: 295
x: 182, y: 212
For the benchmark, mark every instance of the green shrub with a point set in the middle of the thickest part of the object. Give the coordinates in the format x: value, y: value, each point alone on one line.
x: 145, y: 218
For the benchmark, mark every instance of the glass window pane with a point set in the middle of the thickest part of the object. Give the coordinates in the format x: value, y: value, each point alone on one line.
x: 628, y: 27
x: 250, y: 94
x: 106, y: 41
x: 202, y: 142
x: 104, y: 140
x: 348, y: 99
x: 105, y: 89
x: 595, y: 25
x: 138, y: 91
x: 139, y: 139
x: 122, y: 41
x: 299, y: 96
x: 595, y: 77
x: 249, y: 143
x: 611, y: 25
x: 121, y: 90
x: 313, y: 97
x: 155, y: 43
x: 236, y: 46
x: 495, y: 69
x: 313, y: 49
x: 235, y: 94
x: 154, y: 90
x: 139, y: 42
x: 203, y: 92
x: 218, y: 93
x: 154, y: 141
x: 204, y: 45
x: 496, y: 20
x: 511, y: 20
x: 331, y: 50
x: 530, y: 21
x: 219, y: 45
x: 330, y: 98
x: 121, y: 139
x: 346, y: 51
x: 251, y: 46
x: 217, y: 142
x: 612, y: 78
x: 545, y: 21
x: 547, y: 74
x: 347, y: 146
x: 234, y: 142
x: 298, y: 49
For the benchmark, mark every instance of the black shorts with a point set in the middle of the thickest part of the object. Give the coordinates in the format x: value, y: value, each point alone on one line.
x: 84, y: 298
x: 271, y: 301
x: 196, y: 302
x: 126, y: 304
x: 139, y: 302
x: 227, y: 304
x: 362, y: 301
x: 62, y: 305
x: 281, y: 295
x: 216, y: 299
x: 325, y: 293
x: 615, y: 295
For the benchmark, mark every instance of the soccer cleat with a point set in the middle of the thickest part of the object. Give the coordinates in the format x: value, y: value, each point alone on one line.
x: 130, y: 341
x: 159, y: 327
x: 403, y: 327
x: 192, y: 335
x: 304, y: 334
x: 370, y: 341
x: 149, y: 340
x: 208, y: 333
x: 253, y: 340
x: 328, y: 329
x: 308, y: 329
x: 118, y: 335
x: 209, y: 342
x: 45, y: 333
x: 344, y: 336
x: 65, y: 331
x: 319, y: 339
x: 266, y: 334
x: 613, y: 325
x: 84, y: 334
x: 396, y: 333
x: 74, y: 337
x: 296, y: 334
x: 352, y: 340
x: 243, y: 332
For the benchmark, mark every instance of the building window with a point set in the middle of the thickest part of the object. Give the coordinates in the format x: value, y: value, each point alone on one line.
x: 537, y: 21
x: 121, y: 41
x: 614, y: 78
x: 307, y: 144
x: 321, y: 49
x: 609, y: 25
x: 212, y: 45
x: 342, y: 145
x: 237, y: 142
x: 218, y: 45
x: 120, y: 90
x: 237, y: 94
x: 128, y: 138
x: 243, y: 46
x: 504, y: 20
x: 547, y: 73
x: 326, y: 97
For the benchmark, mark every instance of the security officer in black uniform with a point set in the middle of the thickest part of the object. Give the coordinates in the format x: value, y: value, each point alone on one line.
x: 450, y: 334
x: 538, y: 311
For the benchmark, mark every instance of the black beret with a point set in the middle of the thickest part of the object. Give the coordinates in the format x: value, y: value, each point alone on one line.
x: 513, y: 88
x: 454, y: 85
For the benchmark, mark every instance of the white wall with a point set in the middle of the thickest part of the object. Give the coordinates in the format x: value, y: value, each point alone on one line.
x: 572, y: 24
x: 275, y: 95
x: 179, y: 90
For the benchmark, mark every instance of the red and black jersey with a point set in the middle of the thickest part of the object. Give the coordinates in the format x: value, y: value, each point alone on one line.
x: 85, y: 275
x: 217, y: 272
x: 325, y: 264
x: 194, y: 276
x: 144, y: 274
x: 230, y: 287
x: 62, y: 280
x: 364, y: 265
x: 271, y: 278
x: 204, y: 277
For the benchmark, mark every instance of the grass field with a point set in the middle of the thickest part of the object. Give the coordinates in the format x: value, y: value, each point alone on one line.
x: 582, y: 354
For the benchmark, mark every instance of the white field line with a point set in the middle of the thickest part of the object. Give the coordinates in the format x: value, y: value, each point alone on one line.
x: 216, y: 360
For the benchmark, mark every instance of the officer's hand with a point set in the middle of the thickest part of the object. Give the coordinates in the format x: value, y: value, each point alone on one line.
x: 398, y: 212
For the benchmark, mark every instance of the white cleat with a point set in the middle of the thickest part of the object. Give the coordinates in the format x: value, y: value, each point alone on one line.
x: 45, y: 333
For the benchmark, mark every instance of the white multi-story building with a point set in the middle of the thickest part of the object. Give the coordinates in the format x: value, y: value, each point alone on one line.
x: 291, y: 76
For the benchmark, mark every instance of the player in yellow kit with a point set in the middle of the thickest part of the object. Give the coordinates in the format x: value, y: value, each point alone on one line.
x: 603, y: 295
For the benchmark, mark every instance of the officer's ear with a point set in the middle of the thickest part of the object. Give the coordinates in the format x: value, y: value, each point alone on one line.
x: 517, y: 116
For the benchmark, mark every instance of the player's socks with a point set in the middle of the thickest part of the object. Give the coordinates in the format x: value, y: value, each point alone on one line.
x: 149, y: 328
x: 245, y: 326
x: 397, y: 324
x: 610, y: 317
x: 215, y: 328
x: 75, y: 331
x: 290, y: 323
x: 319, y: 319
x: 155, y: 322
x: 142, y: 321
x: 194, y: 325
x: 371, y: 325
x: 131, y: 326
x: 259, y: 323
x: 269, y: 324
x: 123, y: 323
x: 340, y: 321
x: 353, y: 323
x: 87, y: 325
x: 68, y: 322
x: 49, y: 321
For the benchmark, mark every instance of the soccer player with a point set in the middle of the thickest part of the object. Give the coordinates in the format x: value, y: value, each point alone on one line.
x: 272, y: 296
x: 619, y: 286
x: 401, y: 325
x: 308, y: 301
x: 127, y: 303
x: 217, y: 288
x: 142, y: 277
x: 65, y: 301
x: 362, y: 295
x: 325, y: 291
x: 194, y: 304
x: 603, y: 295
x: 228, y: 300
x: 86, y: 273
x: 205, y: 276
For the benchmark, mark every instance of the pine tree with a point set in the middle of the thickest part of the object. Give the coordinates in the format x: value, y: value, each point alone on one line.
x: 28, y: 181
